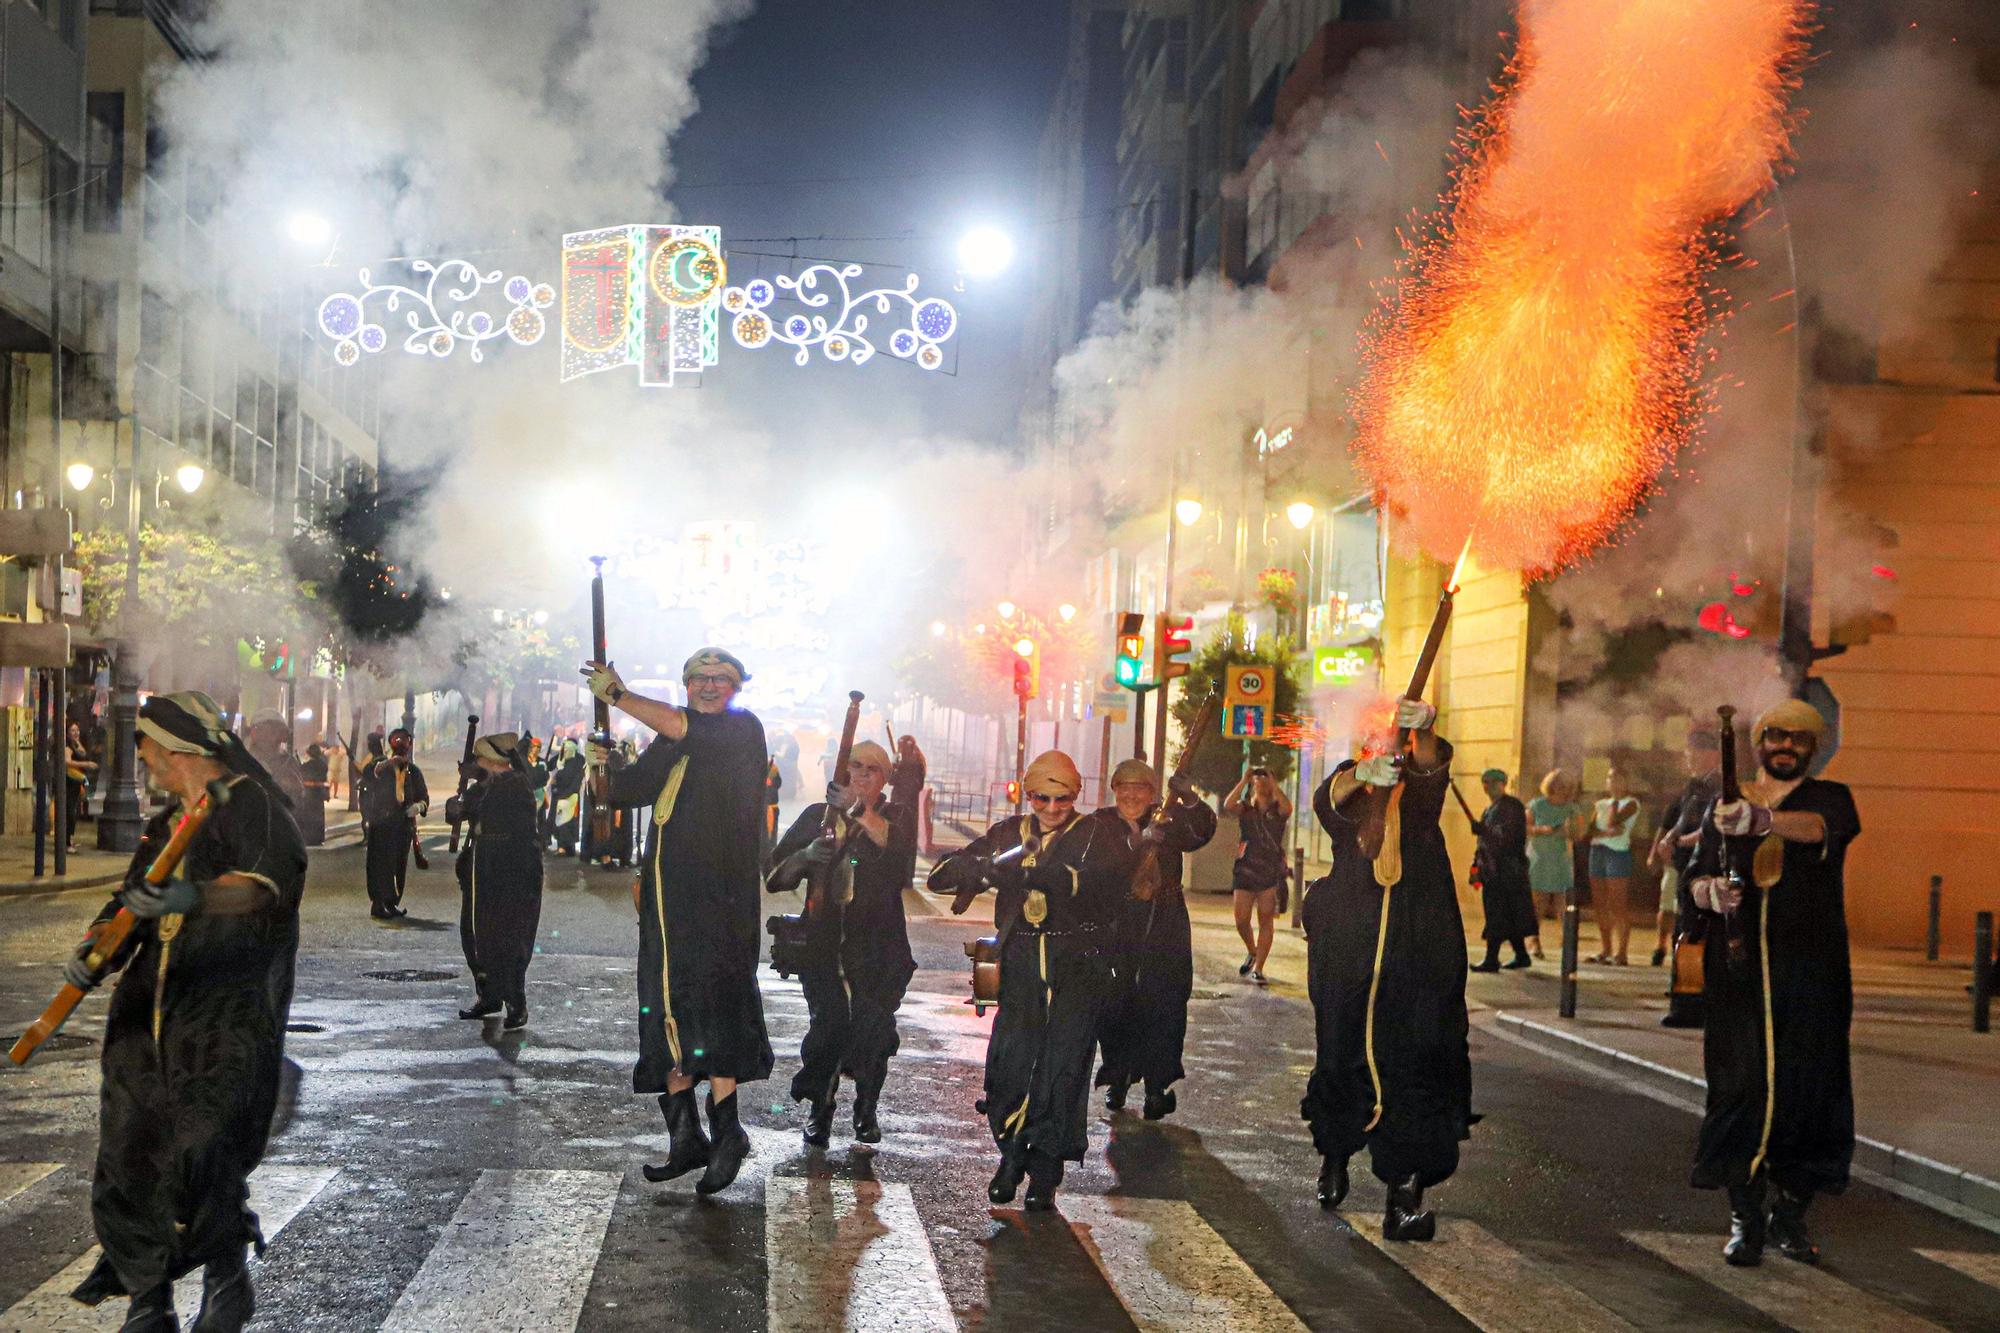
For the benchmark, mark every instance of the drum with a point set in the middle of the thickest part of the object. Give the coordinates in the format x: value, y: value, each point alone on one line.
x: 985, y: 955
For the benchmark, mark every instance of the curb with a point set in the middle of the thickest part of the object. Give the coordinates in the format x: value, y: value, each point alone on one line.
x: 66, y: 883
x: 1965, y: 1188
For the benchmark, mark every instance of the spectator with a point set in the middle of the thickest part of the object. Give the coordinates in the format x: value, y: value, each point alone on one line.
x: 1502, y: 860
x: 1259, y: 876
x: 1555, y: 819
x: 1611, y: 867
x: 79, y: 769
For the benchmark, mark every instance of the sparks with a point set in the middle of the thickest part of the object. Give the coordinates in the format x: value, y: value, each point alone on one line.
x: 1539, y: 363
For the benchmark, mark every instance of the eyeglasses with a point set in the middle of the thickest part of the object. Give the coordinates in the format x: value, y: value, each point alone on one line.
x: 710, y: 681
x: 1044, y: 798
x: 1779, y: 736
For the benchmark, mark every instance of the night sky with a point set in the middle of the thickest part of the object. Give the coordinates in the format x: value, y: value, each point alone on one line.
x: 888, y: 128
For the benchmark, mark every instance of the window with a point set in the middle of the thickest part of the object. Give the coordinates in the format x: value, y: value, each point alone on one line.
x: 104, y: 161
x: 24, y: 188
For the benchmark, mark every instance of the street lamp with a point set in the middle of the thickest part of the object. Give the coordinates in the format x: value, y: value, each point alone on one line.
x: 937, y: 629
x: 1188, y: 512
x: 189, y: 477
x: 309, y: 229
x: 120, y: 824
x: 1067, y: 612
x: 1006, y: 610
x: 1300, y: 512
x: 80, y: 476
x: 985, y: 252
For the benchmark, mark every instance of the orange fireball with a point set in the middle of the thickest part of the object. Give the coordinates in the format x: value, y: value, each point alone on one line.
x: 1539, y: 362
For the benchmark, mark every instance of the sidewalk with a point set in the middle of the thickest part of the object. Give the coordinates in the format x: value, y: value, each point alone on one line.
x: 88, y: 868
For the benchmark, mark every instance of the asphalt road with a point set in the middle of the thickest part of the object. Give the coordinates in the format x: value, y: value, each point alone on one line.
x: 431, y: 1174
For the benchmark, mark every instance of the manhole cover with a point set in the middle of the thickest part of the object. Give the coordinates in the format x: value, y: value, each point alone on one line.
x: 61, y: 1041
x: 304, y: 1027
x: 409, y: 974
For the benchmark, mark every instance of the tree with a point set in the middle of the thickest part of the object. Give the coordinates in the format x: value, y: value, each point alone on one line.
x: 356, y: 559
x: 1219, y: 763
x: 196, y: 587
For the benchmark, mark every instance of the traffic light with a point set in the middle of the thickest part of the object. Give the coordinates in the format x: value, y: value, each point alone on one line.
x: 1130, y: 667
x: 1027, y: 668
x: 1174, y: 648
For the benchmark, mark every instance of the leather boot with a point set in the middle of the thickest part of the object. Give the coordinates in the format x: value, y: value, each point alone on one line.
x: 1160, y: 1105
x: 1007, y: 1179
x: 1114, y: 1093
x: 1788, y: 1225
x: 731, y: 1145
x: 687, y: 1146
x: 152, y: 1312
x: 1332, y: 1180
x: 226, y: 1298
x: 1406, y: 1218
x: 1745, y: 1246
x: 1492, y: 963
x: 1045, y: 1173
x: 866, y: 1128
x: 819, y: 1125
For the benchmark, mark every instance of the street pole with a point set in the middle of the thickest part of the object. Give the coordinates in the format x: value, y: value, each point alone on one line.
x: 1020, y: 748
x: 1104, y: 763
x: 119, y: 826
x: 1571, y: 924
x: 1139, y: 724
x: 1167, y: 607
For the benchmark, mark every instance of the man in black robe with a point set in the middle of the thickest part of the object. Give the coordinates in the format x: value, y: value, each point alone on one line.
x: 1502, y: 861
x: 196, y: 1029
x: 700, y: 1014
x: 1060, y: 881
x: 857, y: 939
x: 394, y: 799
x: 500, y: 880
x: 1674, y: 849
x: 566, y: 799
x: 1393, y: 1073
x: 311, y: 811
x: 1152, y: 958
x: 1782, y: 1002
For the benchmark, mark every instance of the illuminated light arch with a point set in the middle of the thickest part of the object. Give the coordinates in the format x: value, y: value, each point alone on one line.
x: 838, y: 320
x: 440, y: 317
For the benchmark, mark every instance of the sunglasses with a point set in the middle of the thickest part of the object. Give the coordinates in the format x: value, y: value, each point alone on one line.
x: 1779, y: 736
x: 1042, y: 798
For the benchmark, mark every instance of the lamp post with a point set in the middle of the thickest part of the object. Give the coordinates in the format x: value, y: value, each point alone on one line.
x: 119, y: 826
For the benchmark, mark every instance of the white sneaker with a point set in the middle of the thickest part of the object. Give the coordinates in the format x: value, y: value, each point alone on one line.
x: 1258, y: 978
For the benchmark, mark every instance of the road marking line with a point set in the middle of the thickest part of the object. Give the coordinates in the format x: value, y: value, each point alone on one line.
x: 277, y: 1195
x: 518, y: 1254
x: 1796, y: 1295
x: 1980, y: 1266
x: 1484, y: 1279
x: 17, y: 1177
x: 852, y: 1251
x: 1170, y: 1270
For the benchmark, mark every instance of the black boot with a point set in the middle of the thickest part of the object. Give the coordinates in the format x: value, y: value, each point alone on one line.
x: 1406, y: 1218
x: 1006, y: 1180
x: 1492, y: 963
x: 1788, y: 1226
x: 866, y: 1128
x: 1521, y: 958
x: 481, y: 1009
x: 1745, y: 1246
x: 732, y: 1145
x: 226, y: 1298
x: 819, y: 1125
x: 1114, y: 1093
x: 152, y: 1312
x: 687, y: 1146
x: 1332, y: 1180
x: 1045, y: 1173
x: 1160, y: 1105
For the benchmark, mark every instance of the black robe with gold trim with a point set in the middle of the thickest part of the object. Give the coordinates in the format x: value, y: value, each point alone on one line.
x: 500, y: 886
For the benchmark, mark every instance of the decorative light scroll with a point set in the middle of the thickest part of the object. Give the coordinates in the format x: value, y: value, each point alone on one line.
x: 844, y: 335
x: 642, y: 295
x: 438, y: 320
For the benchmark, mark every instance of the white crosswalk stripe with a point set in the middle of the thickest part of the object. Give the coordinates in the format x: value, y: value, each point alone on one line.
x: 1796, y: 1295
x: 278, y: 1193
x: 1980, y: 1266
x: 18, y: 1177
x: 1483, y: 1278
x: 1171, y: 1271
x: 852, y: 1255
x: 518, y: 1254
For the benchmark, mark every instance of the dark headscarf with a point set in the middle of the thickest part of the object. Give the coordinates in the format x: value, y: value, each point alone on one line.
x: 189, y: 722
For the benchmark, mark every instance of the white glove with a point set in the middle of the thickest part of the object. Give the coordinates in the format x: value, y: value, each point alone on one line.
x: 414, y: 811
x: 1415, y: 715
x: 839, y: 797
x: 595, y: 753
x: 1380, y: 770
x: 1713, y: 893
x: 605, y: 682
x: 1740, y: 818
x: 1702, y: 889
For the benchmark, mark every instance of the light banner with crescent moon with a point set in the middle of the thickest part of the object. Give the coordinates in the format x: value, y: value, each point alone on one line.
x: 644, y: 295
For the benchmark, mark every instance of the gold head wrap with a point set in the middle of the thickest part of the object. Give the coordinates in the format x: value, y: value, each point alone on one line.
x: 715, y: 659
x: 1135, y: 770
x: 1791, y: 715
x: 497, y: 746
x: 1052, y: 772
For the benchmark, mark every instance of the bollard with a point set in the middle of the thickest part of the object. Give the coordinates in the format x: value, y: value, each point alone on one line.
x: 1571, y: 925
x: 1298, y: 885
x: 1982, y: 971
x: 1937, y: 908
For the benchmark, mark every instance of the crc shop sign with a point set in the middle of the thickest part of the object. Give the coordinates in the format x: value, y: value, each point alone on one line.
x: 1342, y: 666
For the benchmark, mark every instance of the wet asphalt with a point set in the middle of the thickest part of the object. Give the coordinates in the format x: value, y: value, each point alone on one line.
x: 411, y: 1105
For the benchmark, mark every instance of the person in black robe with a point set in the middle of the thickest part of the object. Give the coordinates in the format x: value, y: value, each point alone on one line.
x: 857, y: 939
x: 700, y: 1014
x: 311, y: 810
x: 1502, y: 862
x: 566, y: 799
x: 1674, y: 849
x: 1144, y: 1029
x: 393, y: 800
x: 195, y: 1033
x: 1782, y: 999
x: 1060, y: 881
x: 500, y: 880
x: 1393, y: 1071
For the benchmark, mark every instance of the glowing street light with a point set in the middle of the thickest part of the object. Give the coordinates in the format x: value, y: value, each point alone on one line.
x: 80, y: 475
x: 1006, y: 610
x: 937, y: 629
x: 1025, y: 646
x: 309, y: 229
x: 1188, y: 512
x: 1067, y: 612
x: 1300, y: 512
x: 189, y: 477
x: 985, y: 252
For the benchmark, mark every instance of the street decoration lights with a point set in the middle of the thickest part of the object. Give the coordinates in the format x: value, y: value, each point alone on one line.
x: 438, y: 321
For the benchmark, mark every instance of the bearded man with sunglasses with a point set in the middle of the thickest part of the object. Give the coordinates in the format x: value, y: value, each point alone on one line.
x: 1775, y: 1047
x: 1060, y: 881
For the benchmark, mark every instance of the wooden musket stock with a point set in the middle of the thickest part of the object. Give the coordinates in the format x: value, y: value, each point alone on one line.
x: 1369, y: 807
x: 111, y: 936
x: 600, y: 778
x: 821, y: 880
x: 464, y: 769
x: 1146, y: 876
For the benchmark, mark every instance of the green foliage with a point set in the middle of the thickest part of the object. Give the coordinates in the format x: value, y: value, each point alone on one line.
x: 356, y: 558
x: 514, y: 652
x: 1219, y: 762
x: 197, y: 587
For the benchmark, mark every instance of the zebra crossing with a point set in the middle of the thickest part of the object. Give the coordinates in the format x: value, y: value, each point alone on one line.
x: 522, y: 1247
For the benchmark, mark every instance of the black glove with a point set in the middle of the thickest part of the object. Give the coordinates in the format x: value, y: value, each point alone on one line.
x: 78, y: 974
x: 148, y: 901
x: 819, y: 852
